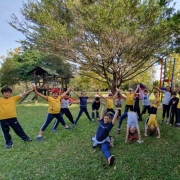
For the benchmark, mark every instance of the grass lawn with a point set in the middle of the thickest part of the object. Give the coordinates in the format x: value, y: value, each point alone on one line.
x: 68, y: 154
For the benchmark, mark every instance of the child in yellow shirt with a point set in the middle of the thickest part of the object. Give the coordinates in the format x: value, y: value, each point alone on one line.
x: 8, y: 116
x: 53, y: 109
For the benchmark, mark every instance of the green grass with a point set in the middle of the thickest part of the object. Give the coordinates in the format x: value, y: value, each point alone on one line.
x: 68, y: 154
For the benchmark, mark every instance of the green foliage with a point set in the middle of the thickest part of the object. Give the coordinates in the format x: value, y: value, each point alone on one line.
x: 68, y: 155
x: 112, y: 38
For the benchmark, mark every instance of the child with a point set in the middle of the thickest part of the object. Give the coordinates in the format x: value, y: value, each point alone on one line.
x: 145, y: 102
x: 53, y: 109
x: 118, y: 102
x: 132, y: 127
x: 102, y: 135
x: 65, y: 102
x: 167, y: 97
x: 109, y: 102
x: 8, y: 116
x: 173, y: 106
x: 83, y: 105
x: 95, y: 108
x: 152, y: 124
x: 137, y: 107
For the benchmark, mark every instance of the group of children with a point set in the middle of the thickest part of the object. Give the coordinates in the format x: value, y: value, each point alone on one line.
x: 58, y: 106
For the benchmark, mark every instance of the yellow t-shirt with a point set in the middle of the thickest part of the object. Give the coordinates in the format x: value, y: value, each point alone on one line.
x: 156, y: 102
x: 110, y: 103
x: 178, y: 105
x: 152, y: 120
x: 129, y: 99
x: 8, y: 107
x: 54, y: 105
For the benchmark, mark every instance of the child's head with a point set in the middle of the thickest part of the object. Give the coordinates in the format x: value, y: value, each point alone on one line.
x: 110, y: 95
x: 97, y: 99
x: 6, y: 92
x: 55, y: 93
x: 67, y: 96
x: 107, y: 118
x: 132, y: 130
x: 152, y: 130
x: 168, y: 88
x: 156, y: 94
x: 174, y: 94
x: 145, y: 91
x: 83, y: 94
x: 130, y: 90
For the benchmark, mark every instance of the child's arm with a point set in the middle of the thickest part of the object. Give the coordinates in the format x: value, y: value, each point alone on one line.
x: 137, y: 89
x: 115, y: 116
x: 139, y: 135
x: 151, y: 91
x: 75, y: 93
x: 102, y: 111
x: 127, y: 134
x: 122, y: 93
x: 146, y: 130
x: 27, y: 93
x: 91, y: 95
x: 158, y: 89
x: 65, y: 92
x: 158, y: 130
x: 39, y: 94
x: 114, y: 97
x: 101, y: 95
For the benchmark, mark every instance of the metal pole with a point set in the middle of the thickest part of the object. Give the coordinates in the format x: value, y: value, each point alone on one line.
x: 174, y: 63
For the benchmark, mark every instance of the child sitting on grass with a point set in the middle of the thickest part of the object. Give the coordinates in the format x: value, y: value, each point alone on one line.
x: 8, y: 116
x: 152, y: 125
x: 102, y: 134
x: 53, y: 109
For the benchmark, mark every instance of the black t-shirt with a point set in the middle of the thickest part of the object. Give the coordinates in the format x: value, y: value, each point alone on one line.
x: 95, y: 105
x: 173, y: 104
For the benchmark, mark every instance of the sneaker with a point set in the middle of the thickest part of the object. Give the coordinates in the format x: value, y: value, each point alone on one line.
x: 74, y: 125
x: 118, y: 130
x: 111, y: 160
x: 170, y: 124
x: 39, y: 138
x: 67, y: 127
x: 92, y: 120
x: 28, y: 140
x: 9, y: 146
x: 53, y: 130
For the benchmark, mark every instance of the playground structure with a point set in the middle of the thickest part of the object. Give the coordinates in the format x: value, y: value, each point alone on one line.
x: 45, y: 79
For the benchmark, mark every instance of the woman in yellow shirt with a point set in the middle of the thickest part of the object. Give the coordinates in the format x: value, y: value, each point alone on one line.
x: 53, y: 109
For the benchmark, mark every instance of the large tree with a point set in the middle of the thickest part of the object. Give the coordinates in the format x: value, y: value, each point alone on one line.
x: 116, y: 39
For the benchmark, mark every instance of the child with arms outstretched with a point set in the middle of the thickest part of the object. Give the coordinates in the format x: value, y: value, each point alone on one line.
x: 53, y: 109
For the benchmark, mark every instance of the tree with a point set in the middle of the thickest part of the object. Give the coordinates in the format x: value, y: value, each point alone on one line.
x: 116, y: 39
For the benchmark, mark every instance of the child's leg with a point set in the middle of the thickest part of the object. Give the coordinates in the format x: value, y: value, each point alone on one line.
x: 93, y: 113
x: 112, y: 110
x: 105, y: 149
x: 143, y: 110
x: 139, y: 114
x: 56, y: 123
x: 69, y: 115
x: 146, y: 121
x: 164, y: 112
x: 18, y: 129
x: 97, y: 114
x: 171, y: 118
x: 168, y: 109
x: 5, y: 129
x: 126, y: 108
x: 87, y: 114
x: 79, y: 115
x: 49, y: 118
x: 131, y: 107
x: 60, y: 119
x: 178, y: 116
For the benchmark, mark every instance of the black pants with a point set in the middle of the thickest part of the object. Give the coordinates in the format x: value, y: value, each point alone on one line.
x: 128, y: 107
x: 145, y: 108
x: 172, y: 115
x: 109, y: 110
x: 137, y: 110
x: 84, y: 109
x: 166, y: 109
x: 68, y: 115
x: 14, y: 124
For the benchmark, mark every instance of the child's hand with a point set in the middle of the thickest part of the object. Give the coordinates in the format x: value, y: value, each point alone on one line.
x: 103, y: 103
x: 118, y: 108
x: 140, y: 141
x: 145, y: 135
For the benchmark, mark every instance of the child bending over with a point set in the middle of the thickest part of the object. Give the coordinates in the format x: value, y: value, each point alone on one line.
x: 102, y: 135
x: 95, y: 108
x: 152, y: 125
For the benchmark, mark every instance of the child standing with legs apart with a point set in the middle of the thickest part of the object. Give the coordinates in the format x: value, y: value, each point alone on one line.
x: 102, y: 134
x: 8, y: 116
x: 65, y: 103
x: 53, y: 110
x: 95, y: 108
x: 83, y: 105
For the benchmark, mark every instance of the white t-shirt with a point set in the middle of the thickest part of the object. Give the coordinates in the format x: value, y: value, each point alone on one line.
x: 167, y: 97
x: 145, y: 100
x: 132, y: 120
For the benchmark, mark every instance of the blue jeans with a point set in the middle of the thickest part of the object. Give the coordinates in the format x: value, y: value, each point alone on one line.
x: 105, y: 149
x: 50, y: 117
x: 122, y: 118
x: 80, y: 113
